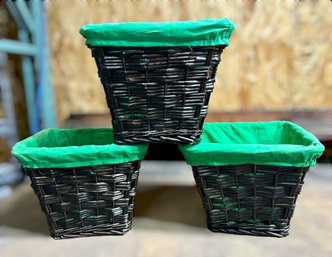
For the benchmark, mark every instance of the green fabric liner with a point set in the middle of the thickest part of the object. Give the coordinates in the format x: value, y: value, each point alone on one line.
x: 279, y: 143
x: 208, y: 32
x: 66, y: 148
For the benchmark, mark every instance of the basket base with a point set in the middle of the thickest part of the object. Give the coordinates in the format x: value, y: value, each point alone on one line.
x: 252, y: 230
x: 88, y: 231
x: 158, y: 137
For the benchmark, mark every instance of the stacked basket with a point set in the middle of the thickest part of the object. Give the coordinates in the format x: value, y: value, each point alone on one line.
x: 84, y: 182
x: 250, y: 174
x: 158, y: 78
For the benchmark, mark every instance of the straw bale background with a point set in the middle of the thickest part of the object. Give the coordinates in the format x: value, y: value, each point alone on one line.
x: 280, y: 55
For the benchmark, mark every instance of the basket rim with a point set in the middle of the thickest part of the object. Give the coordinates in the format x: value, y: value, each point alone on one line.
x: 207, y: 32
x: 302, y: 149
x: 68, y: 148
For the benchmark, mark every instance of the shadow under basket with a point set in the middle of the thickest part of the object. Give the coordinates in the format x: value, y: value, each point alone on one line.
x: 86, y: 201
x: 157, y: 94
x: 249, y: 199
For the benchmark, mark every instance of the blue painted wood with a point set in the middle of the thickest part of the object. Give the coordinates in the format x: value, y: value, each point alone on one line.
x: 8, y: 122
x: 29, y: 86
x: 25, y: 14
x: 36, y: 10
x: 17, y: 47
x: 21, y: 15
x: 44, y: 95
x: 31, y: 22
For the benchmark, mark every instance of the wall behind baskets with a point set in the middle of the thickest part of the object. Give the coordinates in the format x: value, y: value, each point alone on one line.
x: 279, y: 58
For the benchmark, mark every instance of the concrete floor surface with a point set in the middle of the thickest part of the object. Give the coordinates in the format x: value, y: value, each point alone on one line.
x: 169, y: 221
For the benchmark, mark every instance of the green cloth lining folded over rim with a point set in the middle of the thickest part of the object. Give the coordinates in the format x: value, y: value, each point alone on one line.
x: 66, y: 148
x: 279, y: 143
x: 209, y: 32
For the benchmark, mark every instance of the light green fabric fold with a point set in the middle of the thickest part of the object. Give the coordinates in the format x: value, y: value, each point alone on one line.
x: 209, y: 32
x: 65, y: 148
x: 278, y: 143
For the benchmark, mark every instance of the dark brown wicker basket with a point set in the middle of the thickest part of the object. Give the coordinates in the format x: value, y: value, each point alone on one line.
x: 157, y: 94
x: 87, y: 201
x: 249, y: 199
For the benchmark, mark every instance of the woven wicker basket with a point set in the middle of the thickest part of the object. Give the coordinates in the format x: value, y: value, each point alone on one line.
x: 158, y: 77
x: 249, y: 199
x: 249, y: 175
x: 157, y: 95
x: 87, y: 201
x: 85, y: 184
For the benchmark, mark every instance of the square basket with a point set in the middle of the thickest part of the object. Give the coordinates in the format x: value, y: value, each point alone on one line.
x: 249, y: 175
x: 85, y: 184
x: 158, y: 77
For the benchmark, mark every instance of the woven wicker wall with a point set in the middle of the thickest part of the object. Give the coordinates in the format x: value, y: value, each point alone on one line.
x: 280, y: 55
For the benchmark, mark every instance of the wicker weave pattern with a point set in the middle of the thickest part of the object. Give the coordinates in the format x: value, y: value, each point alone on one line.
x: 87, y: 201
x: 249, y: 199
x: 157, y: 95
